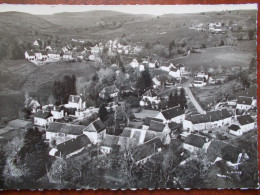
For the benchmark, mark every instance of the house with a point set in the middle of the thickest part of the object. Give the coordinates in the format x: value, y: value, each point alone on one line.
x: 245, y: 103
x: 219, y: 150
x: 37, y: 43
x: 175, y: 72
x: 167, y: 67
x: 203, y: 75
x: 76, y: 101
x: 96, y: 49
x: 56, y: 111
x: 198, y: 82
x: 212, y: 119
x: 142, y: 153
x: 108, y: 143
x: 29, y: 55
x: 109, y: 92
x: 159, y: 126
x: 235, y: 130
x: 175, y: 114
x: 68, y: 55
x: 70, y: 147
x: 150, y: 99
x: 147, y: 122
x: 61, y: 132
x: 126, y: 89
x: 95, y: 131
x: 139, y: 136
x: 156, y: 82
x: 194, y: 143
x: 42, y: 118
x: 53, y: 54
x: 246, y: 123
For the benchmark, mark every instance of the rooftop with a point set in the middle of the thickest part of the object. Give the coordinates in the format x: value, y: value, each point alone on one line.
x: 172, y: 112
x: 66, y: 128
x: 245, y: 119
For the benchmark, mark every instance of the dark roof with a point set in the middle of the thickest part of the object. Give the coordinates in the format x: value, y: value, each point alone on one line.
x: 195, y: 140
x: 96, y: 126
x: 148, y: 120
x: 30, y: 53
x: 234, y: 127
x: 42, y: 114
x: 66, y: 128
x: 251, y: 92
x: 212, y: 116
x: 53, y: 52
x: 174, y: 126
x: 72, y: 145
x: 110, y: 140
x: 245, y: 119
x: 172, y: 112
x: 44, y: 53
x: 156, y: 126
x: 149, y: 135
x: 223, y: 150
x: 198, y: 79
x: 74, y: 98
x: 147, y: 149
x: 244, y: 100
x: 109, y: 90
x: 126, y: 132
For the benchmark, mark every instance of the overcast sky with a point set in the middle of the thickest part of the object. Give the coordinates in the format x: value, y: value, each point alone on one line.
x: 134, y: 9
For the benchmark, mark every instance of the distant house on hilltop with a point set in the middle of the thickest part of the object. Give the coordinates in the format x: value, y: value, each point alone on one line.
x: 53, y: 54
x: 68, y: 55
x: 198, y: 82
x: 95, y: 131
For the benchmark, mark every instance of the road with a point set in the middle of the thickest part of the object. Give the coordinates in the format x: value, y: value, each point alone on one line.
x: 186, y: 87
x: 192, y: 98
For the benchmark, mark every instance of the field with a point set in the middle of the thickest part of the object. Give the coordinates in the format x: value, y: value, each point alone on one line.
x: 20, y: 76
x: 214, y: 57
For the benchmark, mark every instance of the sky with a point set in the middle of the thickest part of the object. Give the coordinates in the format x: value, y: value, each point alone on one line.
x: 134, y: 9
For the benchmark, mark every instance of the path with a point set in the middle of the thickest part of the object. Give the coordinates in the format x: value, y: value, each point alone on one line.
x: 192, y: 98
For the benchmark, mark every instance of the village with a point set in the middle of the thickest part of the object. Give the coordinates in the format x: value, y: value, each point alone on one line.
x: 139, y: 111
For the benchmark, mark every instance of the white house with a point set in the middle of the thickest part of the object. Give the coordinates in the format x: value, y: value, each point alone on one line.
x: 57, y: 112
x: 61, y: 132
x: 76, y: 101
x: 212, y: 119
x: 37, y: 43
x: 156, y: 82
x: 175, y: 114
x: 175, y: 72
x: 53, y: 54
x: 96, y: 49
x: 199, y: 82
x: 154, y: 64
x: 203, y: 75
x: 68, y: 55
x: 246, y: 123
x: 29, y: 55
x: 95, y: 131
x: 167, y: 67
x: 42, y: 118
x: 194, y: 143
x: 245, y: 103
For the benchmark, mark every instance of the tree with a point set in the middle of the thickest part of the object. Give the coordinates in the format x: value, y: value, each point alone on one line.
x: 58, y: 171
x: 15, y: 51
x: 102, y: 112
x: 183, y: 100
x: 171, y: 101
x: 144, y: 82
x: 244, y: 80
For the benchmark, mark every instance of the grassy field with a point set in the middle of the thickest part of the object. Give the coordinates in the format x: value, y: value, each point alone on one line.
x: 225, y: 56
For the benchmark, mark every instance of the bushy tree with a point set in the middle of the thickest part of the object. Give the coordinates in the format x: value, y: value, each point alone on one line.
x: 182, y: 99
x: 102, y: 112
x: 144, y: 82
